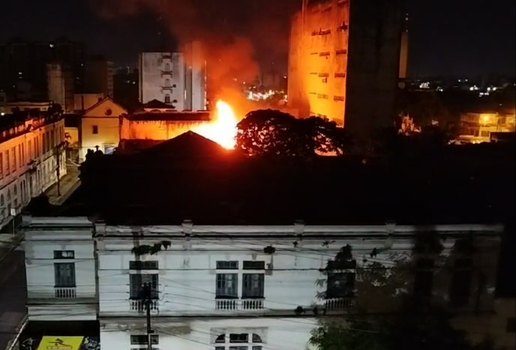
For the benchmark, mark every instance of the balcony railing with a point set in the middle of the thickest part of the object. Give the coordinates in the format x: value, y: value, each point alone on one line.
x: 338, y: 304
x: 139, y: 305
x: 239, y: 304
x: 65, y: 292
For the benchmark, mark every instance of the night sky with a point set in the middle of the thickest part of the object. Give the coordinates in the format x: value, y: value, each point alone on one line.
x: 448, y: 37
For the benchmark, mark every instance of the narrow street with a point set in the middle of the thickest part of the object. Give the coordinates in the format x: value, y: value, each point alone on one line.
x: 13, y: 292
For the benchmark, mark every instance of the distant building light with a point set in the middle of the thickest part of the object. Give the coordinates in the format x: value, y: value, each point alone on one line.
x: 2, y: 114
x: 51, y: 46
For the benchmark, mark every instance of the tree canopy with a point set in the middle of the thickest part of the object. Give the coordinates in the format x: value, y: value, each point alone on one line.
x: 388, y: 311
x: 274, y: 133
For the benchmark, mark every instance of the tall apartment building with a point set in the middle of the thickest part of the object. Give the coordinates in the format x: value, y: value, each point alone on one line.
x: 344, y: 62
x: 30, y: 155
x: 98, y: 77
x: 61, y: 86
x: 174, y: 78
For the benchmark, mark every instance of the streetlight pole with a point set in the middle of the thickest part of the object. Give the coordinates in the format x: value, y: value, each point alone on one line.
x: 58, y: 168
x: 146, y: 295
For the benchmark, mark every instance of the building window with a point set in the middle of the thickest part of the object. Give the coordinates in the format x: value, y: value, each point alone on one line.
x: 137, y: 282
x: 254, y: 265
x: 252, y: 286
x: 252, y: 281
x: 64, y: 275
x: 167, y: 82
x: 142, y: 339
x: 238, y: 341
x: 227, y: 265
x: 167, y: 98
x: 227, y: 286
x: 64, y: 254
x: 143, y: 265
x: 167, y: 67
x: 95, y: 129
x: 340, y: 285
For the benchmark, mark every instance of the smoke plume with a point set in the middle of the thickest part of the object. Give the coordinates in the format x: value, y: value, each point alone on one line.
x: 238, y: 36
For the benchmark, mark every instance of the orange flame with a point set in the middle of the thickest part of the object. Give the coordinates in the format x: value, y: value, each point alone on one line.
x: 223, y: 129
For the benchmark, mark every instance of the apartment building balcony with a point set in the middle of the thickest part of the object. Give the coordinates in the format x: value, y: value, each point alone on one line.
x: 140, y: 305
x: 65, y: 292
x: 239, y: 304
x: 338, y: 304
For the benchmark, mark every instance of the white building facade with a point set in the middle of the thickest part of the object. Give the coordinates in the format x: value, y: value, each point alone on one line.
x: 218, y: 287
x: 174, y: 78
x: 60, y: 269
x: 32, y: 157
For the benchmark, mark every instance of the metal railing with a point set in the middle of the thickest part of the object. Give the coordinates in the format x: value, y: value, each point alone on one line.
x: 336, y: 304
x: 239, y: 304
x: 65, y: 292
x: 139, y: 305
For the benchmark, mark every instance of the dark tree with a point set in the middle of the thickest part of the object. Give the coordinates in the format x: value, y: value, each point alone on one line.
x: 387, y: 313
x: 278, y: 134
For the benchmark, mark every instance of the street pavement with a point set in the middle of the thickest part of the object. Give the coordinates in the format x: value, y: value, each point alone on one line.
x: 13, y: 294
x: 68, y: 184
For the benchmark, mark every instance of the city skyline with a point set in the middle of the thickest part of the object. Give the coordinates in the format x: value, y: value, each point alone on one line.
x: 446, y: 39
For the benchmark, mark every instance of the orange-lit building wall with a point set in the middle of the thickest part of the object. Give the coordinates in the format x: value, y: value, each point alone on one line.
x: 344, y: 63
x: 318, y: 60
x: 155, y: 129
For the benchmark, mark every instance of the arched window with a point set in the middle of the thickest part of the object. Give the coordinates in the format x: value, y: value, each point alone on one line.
x: 167, y: 67
x: 167, y: 82
x: 238, y: 341
x: 167, y: 98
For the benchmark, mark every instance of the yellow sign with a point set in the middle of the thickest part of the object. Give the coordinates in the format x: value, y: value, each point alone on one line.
x: 60, y: 343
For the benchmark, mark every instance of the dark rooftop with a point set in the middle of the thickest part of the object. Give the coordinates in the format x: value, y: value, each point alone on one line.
x: 190, y: 177
x: 169, y: 116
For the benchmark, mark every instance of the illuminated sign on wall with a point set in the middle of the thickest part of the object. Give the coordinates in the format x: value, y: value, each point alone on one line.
x: 60, y: 343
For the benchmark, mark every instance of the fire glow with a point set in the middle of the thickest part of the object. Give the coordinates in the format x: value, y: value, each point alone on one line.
x: 223, y: 129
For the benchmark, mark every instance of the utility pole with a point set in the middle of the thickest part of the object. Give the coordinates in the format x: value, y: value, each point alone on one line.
x: 146, y: 296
